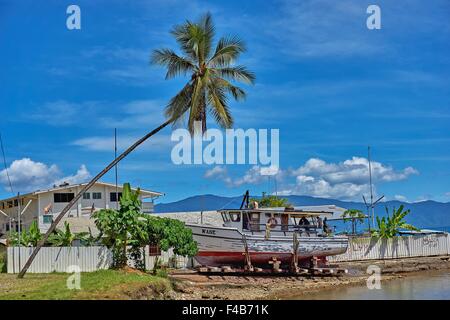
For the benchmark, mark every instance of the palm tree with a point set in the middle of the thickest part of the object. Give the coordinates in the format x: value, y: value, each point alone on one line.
x: 389, y: 227
x: 210, y: 72
x: 206, y: 91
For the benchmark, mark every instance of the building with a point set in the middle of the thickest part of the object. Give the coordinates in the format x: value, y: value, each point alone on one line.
x: 44, y: 205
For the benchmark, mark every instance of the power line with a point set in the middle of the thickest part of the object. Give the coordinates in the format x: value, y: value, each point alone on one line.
x: 4, y: 163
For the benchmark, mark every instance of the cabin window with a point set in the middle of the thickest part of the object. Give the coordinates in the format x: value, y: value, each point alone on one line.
x: 86, y: 196
x: 235, y: 216
x: 63, y: 197
x: 225, y: 217
x: 154, y: 250
x: 96, y: 195
x: 113, y: 196
x: 284, y: 222
x: 254, y: 221
x: 47, y: 218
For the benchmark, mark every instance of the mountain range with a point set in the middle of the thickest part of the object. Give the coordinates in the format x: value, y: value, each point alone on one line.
x: 424, y: 214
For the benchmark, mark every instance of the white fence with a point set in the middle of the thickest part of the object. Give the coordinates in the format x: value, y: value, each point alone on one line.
x: 58, y: 259
x: 366, y: 248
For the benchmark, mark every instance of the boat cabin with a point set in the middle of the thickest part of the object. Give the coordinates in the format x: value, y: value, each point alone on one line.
x: 277, y: 220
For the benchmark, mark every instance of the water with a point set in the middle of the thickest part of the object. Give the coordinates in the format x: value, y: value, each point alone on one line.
x: 430, y: 286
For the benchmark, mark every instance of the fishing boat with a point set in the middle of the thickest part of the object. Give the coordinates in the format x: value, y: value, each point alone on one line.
x: 264, y: 235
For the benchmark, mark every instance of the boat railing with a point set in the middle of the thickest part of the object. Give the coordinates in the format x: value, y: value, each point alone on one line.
x: 282, y: 228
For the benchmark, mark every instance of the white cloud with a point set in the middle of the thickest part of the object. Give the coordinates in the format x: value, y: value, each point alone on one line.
x: 399, y: 197
x: 27, y: 175
x: 344, y: 180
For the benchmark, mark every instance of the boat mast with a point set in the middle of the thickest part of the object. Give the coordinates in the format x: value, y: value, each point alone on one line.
x: 115, y: 169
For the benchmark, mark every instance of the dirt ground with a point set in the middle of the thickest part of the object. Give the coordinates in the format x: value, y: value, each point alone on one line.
x: 197, y: 286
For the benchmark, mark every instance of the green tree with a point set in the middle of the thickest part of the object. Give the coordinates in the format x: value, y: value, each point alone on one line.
x: 123, y: 227
x: 270, y: 201
x: 128, y: 227
x: 388, y: 227
x: 210, y: 72
x: 355, y: 216
x: 65, y: 237
x: 171, y: 233
x: 208, y: 89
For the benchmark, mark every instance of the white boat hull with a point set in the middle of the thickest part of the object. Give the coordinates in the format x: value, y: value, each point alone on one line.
x: 219, y: 246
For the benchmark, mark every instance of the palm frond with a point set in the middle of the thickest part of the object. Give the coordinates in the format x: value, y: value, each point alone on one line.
x: 237, y: 73
x: 227, y: 51
x: 179, y: 104
x: 237, y: 93
x: 175, y: 64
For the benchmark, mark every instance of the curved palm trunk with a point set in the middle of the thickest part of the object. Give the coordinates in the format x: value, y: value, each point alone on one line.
x: 83, y: 190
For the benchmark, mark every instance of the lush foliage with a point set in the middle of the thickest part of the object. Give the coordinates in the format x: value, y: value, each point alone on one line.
x: 270, y: 201
x: 28, y: 238
x: 355, y: 216
x: 388, y: 227
x: 123, y: 227
x: 170, y: 233
x: 210, y: 71
x: 65, y: 237
x: 128, y: 227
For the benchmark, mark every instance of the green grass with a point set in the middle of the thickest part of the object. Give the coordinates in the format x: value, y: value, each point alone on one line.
x: 103, y: 284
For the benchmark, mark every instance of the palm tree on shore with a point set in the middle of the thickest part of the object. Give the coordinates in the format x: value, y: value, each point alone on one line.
x: 210, y: 71
x: 211, y: 74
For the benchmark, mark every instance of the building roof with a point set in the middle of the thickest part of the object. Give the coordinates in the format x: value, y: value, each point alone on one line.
x: 144, y: 193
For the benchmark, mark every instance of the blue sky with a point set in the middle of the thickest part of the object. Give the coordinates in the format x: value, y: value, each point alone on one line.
x: 329, y: 84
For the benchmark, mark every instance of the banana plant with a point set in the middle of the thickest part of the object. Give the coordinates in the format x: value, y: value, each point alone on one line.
x: 65, y: 238
x: 389, y: 227
x: 28, y: 238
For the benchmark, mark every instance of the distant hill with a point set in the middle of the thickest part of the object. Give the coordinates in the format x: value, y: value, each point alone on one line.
x: 423, y: 214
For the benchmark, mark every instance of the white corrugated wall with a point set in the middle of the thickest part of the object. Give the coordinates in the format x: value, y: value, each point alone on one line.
x: 58, y: 259
x: 366, y: 248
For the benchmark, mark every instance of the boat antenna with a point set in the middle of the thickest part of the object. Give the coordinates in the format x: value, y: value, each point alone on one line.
x: 372, y: 203
x: 4, y: 163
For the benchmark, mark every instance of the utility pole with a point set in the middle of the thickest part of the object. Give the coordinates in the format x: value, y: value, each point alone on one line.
x: 115, y: 169
x: 371, y: 189
x: 19, y: 229
x: 372, y: 204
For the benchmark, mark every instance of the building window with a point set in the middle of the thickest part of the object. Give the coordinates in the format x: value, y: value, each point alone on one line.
x: 10, y: 204
x: 113, y: 196
x: 16, y: 203
x: 47, y: 218
x: 154, y: 250
x: 96, y: 195
x: 86, y: 196
x: 63, y: 197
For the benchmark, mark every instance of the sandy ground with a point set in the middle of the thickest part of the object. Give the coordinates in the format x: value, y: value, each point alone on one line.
x: 196, y: 286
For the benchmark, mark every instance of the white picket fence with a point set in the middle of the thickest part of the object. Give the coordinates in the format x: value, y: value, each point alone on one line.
x: 366, y: 248
x: 87, y: 259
